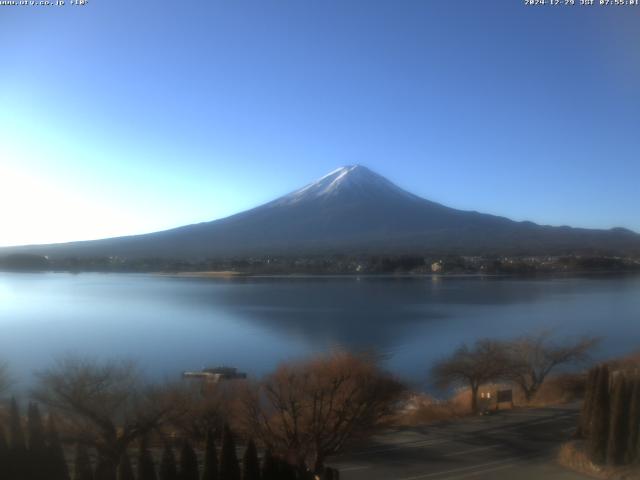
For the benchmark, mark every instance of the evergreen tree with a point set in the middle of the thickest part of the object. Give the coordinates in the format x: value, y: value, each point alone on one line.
x: 210, y: 471
x: 229, y: 466
x: 105, y: 469
x: 188, y: 463
x: 146, y: 467
x: 125, y: 471
x: 37, y: 447
x: 250, y: 464
x: 4, y: 454
x: 634, y: 421
x: 16, y: 434
x: 587, y: 405
x: 57, y: 463
x: 18, y: 462
x: 331, y: 474
x: 599, y: 434
x: 327, y: 474
x: 269, y: 467
x: 619, y: 423
x: 82, y: 466
x: 285, y: 470
x: 168, y: 469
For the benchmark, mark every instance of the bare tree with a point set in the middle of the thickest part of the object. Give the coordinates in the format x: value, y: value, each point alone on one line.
x: 533, y: 357
x: 307, y: 411
x: 201, y: 410
x: 105, y: 405
x: 473, y: 366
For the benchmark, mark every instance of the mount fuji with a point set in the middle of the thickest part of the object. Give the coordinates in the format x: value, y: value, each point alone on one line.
x: 351, y: 210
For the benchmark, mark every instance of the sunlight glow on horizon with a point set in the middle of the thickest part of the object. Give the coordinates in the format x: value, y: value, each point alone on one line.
x: 38, y: 211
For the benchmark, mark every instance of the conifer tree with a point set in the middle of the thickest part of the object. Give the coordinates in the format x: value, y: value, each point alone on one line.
x: 125, y: 471
x: 599, y: 434
x: 36, y: 447
x: 619, y: 423
x: 57, y: 463
x: 16, y: 434
x: 210, y: 471
x: 105, y: 469
x: 587, y: 405
x: 250, y: 464
x: 35, y: 428
x: 327, y: 474
x: 331, y: 474
x: 168, y: 468
x: 269, y: 467
x: 4, y: 454
x: 229, y: 466
x: 188, y: 463
x: 146, y: 467
x: 82, y: 465
x: 285, y: 470
x: 634, y: 421
x: 18, y: 464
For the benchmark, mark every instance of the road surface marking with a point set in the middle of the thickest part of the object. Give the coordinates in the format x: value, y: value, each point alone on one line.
x: 544, y: 421
x: 480, y: 472
x: 424, y: 443
x: 541, y: 415
x: 461, y: 437
x: 354, y: 468
x: 470, y: 467
x: 489, y: 447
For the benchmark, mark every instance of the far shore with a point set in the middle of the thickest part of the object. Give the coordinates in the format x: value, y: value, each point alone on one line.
x: 228, y: 274
x: 207, y: 274
x: 231, y: 273
x: 235, y: 274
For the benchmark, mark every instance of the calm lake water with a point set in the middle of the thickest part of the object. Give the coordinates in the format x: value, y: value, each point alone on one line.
x: 173, y: 324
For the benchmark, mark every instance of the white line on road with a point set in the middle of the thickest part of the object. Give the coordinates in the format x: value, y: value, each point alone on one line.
x: 541, y: 415
x: 354, y: 468
x: 470, y: 467
x: 551, y: 420
x: 488, y: 447
x: 429, y: 443
x: 424, y: 443
x: 480, y: 472
x: 460, y: 439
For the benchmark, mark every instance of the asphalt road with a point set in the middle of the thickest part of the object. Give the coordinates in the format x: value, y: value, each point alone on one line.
x: 517, y: 444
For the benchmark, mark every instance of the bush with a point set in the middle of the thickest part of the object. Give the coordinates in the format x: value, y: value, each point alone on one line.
x: 424, y: 409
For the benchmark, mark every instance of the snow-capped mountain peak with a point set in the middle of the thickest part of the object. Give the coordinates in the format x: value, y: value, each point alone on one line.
x: 350, y: 180
x: 350, y: 210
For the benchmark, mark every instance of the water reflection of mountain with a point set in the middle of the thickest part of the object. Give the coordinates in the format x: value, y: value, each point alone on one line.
x: 170, y: 324
x: 358, y: 312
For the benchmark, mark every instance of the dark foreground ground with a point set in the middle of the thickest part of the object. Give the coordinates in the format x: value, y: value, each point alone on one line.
x: 512, y: 444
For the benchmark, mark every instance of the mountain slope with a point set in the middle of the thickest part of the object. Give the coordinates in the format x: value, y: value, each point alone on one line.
x: 352, y: 210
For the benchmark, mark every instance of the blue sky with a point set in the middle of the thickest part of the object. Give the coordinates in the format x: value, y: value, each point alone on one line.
x: 125, y: 117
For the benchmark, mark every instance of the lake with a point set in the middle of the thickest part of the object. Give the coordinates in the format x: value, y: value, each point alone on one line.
x: 170, y: 324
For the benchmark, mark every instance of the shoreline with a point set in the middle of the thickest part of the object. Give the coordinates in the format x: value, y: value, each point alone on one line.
x: 233, y: 274
x: 206, y: 274
x: 230, y: 274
